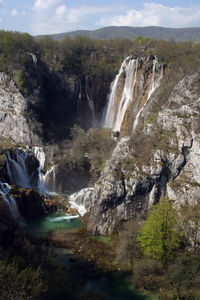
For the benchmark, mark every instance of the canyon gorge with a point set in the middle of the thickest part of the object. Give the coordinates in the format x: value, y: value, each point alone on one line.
x: 98, y: 132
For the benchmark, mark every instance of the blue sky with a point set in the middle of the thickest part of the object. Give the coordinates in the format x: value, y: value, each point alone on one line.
x: 55, y: 16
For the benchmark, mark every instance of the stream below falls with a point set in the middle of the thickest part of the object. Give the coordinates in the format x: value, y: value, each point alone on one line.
x: 112, y: 287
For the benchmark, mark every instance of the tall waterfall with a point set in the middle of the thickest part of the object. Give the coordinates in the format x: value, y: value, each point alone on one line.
x: 115, y: 112
x: 130, y: 92
x: 9, y: 200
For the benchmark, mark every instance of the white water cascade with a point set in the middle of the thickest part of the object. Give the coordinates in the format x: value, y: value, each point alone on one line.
x: 50, y: 179
x: 17, y: 169
x: 115, y: 113
x: 45, y: 179
x: 9, y: 200
x: 23, y: 175
x: 80, y: 200
x: 154, y: 84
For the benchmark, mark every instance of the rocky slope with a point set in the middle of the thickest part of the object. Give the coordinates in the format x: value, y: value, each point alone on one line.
x: 162, y: 159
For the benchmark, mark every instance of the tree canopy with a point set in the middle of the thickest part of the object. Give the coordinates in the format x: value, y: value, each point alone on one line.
x: 159, y: 236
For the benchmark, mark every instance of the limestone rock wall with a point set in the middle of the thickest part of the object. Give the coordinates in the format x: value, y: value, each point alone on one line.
x: 13, y: 108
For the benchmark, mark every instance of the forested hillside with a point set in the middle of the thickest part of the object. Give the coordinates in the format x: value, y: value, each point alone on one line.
x: 112, y: 32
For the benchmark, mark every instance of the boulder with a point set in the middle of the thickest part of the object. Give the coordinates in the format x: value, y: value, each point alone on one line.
x: 30, y: 202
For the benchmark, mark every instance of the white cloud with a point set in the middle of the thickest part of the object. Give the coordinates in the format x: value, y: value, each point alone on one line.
x: 154, y: 14
x: 45, y: 4
x: 14, y: 12
x: 1, y: 20
x: 49, y: 17
x: 23, y: 13
x: 61, y: 10
x: 66, y: 19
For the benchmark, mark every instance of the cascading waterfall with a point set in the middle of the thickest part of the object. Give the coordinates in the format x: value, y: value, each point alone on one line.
x: 50, y: 179
x: 40, y: 155
x: 115, y: 113
x: 9, y: 200
x: 20, y: 173
x: 132, y: 88
x: 80, y: 200
x: 17, y: 169
x: 154, y: 84
x: 44, y: 178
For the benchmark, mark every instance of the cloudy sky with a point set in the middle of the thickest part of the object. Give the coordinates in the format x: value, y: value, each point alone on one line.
x: 55, y: 16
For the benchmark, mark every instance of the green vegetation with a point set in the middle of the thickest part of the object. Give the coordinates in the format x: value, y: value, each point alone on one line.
x: 159, y: 236
x: 50, y: 73
x: 15, y: 49
x: 161, y: 256
x: 95, y: 145
x: 20, y: 80
x: 17, y: 282
x: 112, y: 32
x: 162, y: 253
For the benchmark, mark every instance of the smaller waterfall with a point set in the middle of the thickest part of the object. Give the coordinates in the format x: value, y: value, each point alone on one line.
x: 40, y: 155
x: 22, y: 171
x: 17, y: 169
x: 9, y: 200
x: 154, y: 84
x: 47, y: 181
x: 78, y: 105
x: 50, y: 179
x: 90, y: 101
x: 80, y: 200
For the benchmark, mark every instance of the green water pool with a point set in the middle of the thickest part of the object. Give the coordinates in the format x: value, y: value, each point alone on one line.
x: 52, y: 222
x: 114, y: 287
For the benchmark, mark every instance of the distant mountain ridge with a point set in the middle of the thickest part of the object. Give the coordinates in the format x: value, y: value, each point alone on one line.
x: 111, y: 32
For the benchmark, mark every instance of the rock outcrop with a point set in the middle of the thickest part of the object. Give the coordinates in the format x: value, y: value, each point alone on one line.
x: 29, y: 201
x: 13, y: 108
x: 162, y: 159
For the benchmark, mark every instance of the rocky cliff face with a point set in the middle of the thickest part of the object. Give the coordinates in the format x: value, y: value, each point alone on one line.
x: 162, y: 159
x: 14, y: 124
